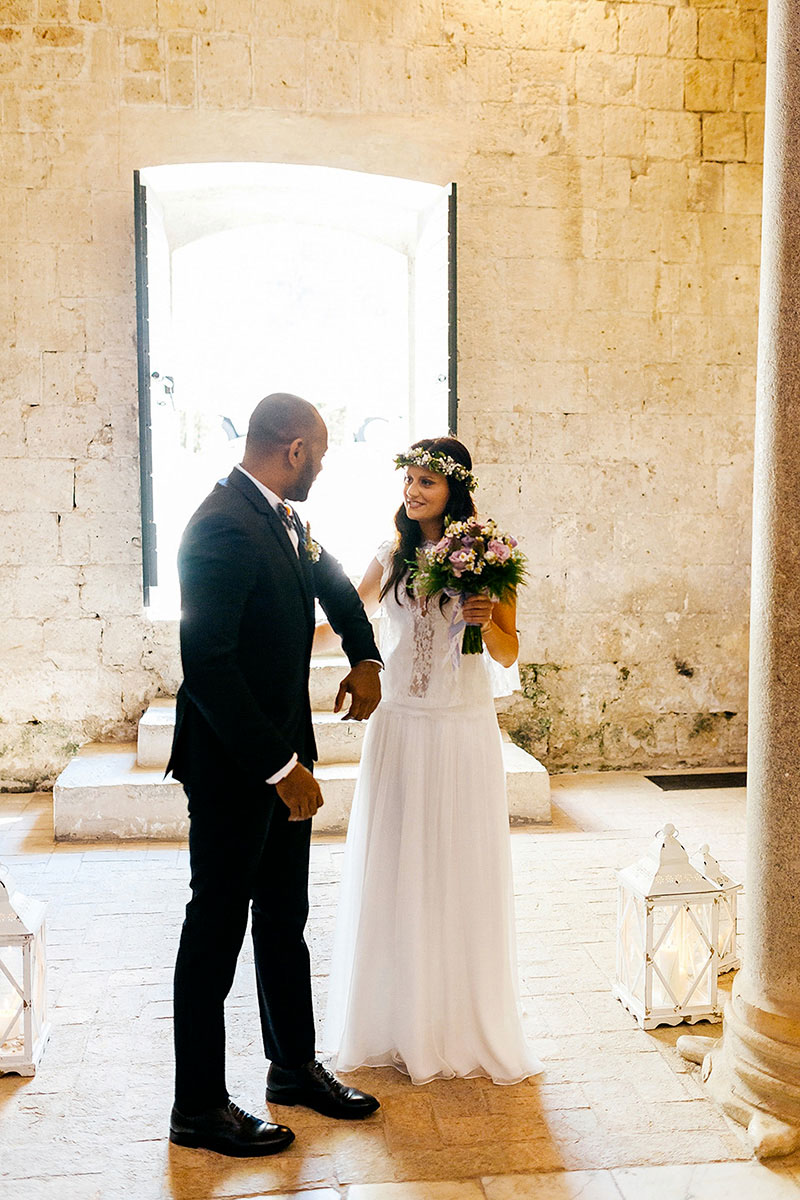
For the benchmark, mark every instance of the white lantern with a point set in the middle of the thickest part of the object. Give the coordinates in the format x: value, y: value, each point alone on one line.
x: 727, y: 951
x: 667, y: 937
x: 23, y: 1004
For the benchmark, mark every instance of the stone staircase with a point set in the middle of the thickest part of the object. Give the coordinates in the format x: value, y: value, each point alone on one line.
x: 118, y: 790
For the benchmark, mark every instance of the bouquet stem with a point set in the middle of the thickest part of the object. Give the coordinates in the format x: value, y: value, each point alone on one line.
x: 473, y: 640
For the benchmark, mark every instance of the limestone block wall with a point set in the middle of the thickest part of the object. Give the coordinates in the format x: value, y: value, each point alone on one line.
x: 608, y: 161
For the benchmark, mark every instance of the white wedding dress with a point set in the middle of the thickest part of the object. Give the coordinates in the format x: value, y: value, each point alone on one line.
x: 423, y: 976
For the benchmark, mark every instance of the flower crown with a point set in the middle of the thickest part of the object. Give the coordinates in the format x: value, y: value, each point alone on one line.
x: 436, y: 460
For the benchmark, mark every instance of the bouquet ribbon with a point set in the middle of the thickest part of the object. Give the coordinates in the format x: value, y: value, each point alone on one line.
x: 457, y: 626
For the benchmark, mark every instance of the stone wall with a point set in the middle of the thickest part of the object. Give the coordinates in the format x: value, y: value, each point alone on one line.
x: 607, y: 156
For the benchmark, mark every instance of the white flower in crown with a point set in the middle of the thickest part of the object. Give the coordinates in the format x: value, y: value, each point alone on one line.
x: 436, y: 460
x: 312, y: 548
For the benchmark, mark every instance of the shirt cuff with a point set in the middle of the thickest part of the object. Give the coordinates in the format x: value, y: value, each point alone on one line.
x: 377, y: 662
x: 284, y: 771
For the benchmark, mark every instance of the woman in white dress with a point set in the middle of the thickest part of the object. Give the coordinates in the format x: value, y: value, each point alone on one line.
x: 424, y: 969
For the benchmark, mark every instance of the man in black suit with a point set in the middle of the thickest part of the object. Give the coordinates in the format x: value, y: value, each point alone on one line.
x: 244, y: 749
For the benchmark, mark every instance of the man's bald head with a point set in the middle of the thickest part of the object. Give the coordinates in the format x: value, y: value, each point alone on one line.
x: 286, y: 443
x: 277, y: 420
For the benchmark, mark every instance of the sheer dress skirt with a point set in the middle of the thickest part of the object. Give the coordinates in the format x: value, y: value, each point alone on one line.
x: 424, y: 973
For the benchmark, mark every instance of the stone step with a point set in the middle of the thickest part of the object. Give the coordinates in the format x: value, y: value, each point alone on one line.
x: 337, y: 740
x: 527, y: 785
x: 105, y: 795
x: 156, y: 728
x: 158, y: 722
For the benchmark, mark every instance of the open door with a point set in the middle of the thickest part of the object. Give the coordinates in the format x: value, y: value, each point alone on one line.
x: 452, y: 313
x: 432, y: 404
x: 149, y: 552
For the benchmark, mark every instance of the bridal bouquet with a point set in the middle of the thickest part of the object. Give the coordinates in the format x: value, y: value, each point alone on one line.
x: 473, y: 558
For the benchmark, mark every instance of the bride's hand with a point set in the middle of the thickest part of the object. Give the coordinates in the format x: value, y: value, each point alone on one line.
x: 477, y: 610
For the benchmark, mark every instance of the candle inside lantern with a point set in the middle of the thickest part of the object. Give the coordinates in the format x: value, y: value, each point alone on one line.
x: 679, y: 960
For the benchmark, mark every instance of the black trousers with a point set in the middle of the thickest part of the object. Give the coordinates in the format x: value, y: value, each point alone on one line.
x: 244, y: 852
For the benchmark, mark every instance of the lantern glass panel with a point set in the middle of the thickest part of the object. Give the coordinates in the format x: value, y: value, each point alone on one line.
x: 12, y: 1027
x: 632, y: 945
x: 38, y: 981
x: 727, y: 925
x: 681, y: 954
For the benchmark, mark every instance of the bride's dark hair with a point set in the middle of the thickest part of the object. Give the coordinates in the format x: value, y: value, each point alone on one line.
x: 460, y: 507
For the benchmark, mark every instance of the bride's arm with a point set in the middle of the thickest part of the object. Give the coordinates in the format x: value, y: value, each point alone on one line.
x: 328, y: 642
x: 498, y: 626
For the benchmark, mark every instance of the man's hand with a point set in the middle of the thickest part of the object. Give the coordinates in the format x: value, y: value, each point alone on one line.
x: 364, y: 685
x: 300, y: 792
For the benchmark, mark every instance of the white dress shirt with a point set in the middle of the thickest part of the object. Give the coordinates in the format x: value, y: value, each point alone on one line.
x: 276, y: 503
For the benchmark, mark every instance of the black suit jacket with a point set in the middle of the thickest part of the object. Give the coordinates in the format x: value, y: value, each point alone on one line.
x: 247, y: 624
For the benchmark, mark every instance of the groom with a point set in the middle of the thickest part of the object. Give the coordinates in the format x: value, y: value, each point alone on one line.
x: 243, y: 749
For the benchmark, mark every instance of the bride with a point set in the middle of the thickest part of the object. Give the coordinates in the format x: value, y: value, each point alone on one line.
x: 424, y: 969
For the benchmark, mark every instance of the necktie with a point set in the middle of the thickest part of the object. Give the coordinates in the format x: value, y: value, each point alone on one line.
x: 286, y: 515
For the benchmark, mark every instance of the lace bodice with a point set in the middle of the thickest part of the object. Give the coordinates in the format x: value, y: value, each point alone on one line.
x: 415, y: 644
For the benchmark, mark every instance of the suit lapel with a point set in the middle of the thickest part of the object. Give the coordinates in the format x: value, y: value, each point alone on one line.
x: 260, y: 502
x: 305, y: 562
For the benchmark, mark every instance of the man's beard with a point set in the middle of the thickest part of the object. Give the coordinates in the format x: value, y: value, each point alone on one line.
x: 302, y: 485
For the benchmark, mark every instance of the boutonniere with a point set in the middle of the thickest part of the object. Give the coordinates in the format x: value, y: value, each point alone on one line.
x: 313, y: 549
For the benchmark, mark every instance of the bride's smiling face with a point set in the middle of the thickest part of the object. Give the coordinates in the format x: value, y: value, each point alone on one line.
x: 425, y: 494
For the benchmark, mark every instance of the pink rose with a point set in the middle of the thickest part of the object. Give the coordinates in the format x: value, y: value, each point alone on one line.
x: 459, y: 561
x: 500, y: 550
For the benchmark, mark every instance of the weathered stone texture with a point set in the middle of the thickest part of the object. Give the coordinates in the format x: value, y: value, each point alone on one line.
x: 608, y: 161
x: 225, y: 77
x: 724, y: 137
x: 279, y: 72
x: 709, y: 86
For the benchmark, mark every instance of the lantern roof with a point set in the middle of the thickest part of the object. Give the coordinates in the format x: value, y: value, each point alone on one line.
x: 707, y: 865
x: 665, y: 870
x: 20, y: 916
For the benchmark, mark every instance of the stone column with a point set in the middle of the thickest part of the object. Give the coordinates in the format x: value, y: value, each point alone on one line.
x: 754, y: 1070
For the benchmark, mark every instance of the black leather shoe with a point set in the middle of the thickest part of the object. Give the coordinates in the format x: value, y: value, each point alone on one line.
x: 229, y: 1130
x: 314, y: 1086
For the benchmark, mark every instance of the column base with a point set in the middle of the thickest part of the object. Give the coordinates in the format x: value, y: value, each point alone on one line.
x: 753, y: 1073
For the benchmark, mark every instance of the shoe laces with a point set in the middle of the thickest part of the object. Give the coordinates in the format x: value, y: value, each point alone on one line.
x: 238, y: 1113
x: 325, y: 1076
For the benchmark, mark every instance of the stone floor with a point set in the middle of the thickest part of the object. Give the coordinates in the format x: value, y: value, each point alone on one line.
x: 617, y: 1115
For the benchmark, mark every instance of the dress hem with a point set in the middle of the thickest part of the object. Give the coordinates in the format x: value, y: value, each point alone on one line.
x: 392, y: 1060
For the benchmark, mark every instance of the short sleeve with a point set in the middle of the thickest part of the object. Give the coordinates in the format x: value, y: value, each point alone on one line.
x: 384, y: 553
x: 504, y: 680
